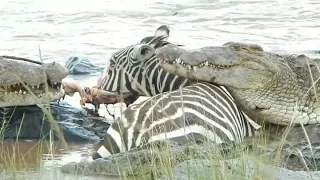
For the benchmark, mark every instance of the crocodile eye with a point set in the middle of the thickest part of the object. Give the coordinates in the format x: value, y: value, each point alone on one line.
x: 236, y: 46
x: 245, y: 49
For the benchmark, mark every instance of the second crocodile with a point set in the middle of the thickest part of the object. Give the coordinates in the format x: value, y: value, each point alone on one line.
x: 277, y: 89
x: 280, y: 89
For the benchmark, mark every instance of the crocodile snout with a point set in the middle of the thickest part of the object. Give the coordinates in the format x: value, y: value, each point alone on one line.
x: 168, y: 53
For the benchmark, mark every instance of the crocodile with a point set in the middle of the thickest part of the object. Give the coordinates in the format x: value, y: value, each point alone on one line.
x: 162, y: 164
x: 26, y: 82
x: 269, y: 87
x: 142, y: 162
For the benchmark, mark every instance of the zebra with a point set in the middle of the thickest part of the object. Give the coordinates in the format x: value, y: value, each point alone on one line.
x: 196, y: 113
x: 135, y: 70
x: 178, y: 108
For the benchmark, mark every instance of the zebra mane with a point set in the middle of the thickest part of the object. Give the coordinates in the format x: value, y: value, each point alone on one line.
x: 157, y: 41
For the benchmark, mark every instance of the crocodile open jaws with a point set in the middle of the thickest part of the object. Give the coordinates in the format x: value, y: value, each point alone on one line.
x: 280, y: 89
x: 25, y: 82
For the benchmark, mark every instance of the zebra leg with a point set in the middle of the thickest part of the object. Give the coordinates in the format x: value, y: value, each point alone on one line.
x: 105, y: 97
x: 95, y: 95
x: 70, y: 87
x: 98, y: 96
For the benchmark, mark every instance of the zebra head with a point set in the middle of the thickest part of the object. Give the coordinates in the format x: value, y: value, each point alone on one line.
x: 134, y: 71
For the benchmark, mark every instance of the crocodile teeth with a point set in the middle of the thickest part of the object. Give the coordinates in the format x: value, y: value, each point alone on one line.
x: 20, y: 91
x: 178, y: 60
x: 24, y: 92
x: 194, y: 68
x: 189, y: 67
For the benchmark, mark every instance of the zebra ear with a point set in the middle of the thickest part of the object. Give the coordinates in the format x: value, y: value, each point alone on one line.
x: 142, y: 52
x: 163, y: 31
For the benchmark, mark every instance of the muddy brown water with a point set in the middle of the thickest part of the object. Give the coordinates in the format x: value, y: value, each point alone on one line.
x: 31, y: 159
x: 97, y: 29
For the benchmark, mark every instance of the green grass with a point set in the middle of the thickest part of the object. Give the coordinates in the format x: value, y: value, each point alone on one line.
x: 14, y: 164
x: 162, y: 162
x: 12, y: 161
x: 210, y: 160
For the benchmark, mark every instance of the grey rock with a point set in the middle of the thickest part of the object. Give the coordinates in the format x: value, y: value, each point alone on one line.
x: 81, y: 65
x: 300, y: 150
x: 31, y: 123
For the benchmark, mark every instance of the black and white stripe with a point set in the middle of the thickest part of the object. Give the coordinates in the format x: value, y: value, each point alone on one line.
x: 176, y: 111
x: 201, y: 111
x: 135, y: 69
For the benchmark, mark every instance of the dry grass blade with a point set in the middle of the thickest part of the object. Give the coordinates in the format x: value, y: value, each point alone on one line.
x: 162, y: 164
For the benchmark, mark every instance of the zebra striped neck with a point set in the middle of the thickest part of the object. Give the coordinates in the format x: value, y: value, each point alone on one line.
x: 159, y: 81
x: 145, y: 78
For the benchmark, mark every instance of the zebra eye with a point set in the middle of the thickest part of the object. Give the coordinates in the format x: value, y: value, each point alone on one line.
x: 110, y: 68
x: 112, y: 65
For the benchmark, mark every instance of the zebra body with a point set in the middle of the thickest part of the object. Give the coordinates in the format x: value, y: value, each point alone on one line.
x: 199, y: 112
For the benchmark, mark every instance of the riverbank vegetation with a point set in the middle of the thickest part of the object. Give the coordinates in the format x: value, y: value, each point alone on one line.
x: 196, y: 162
